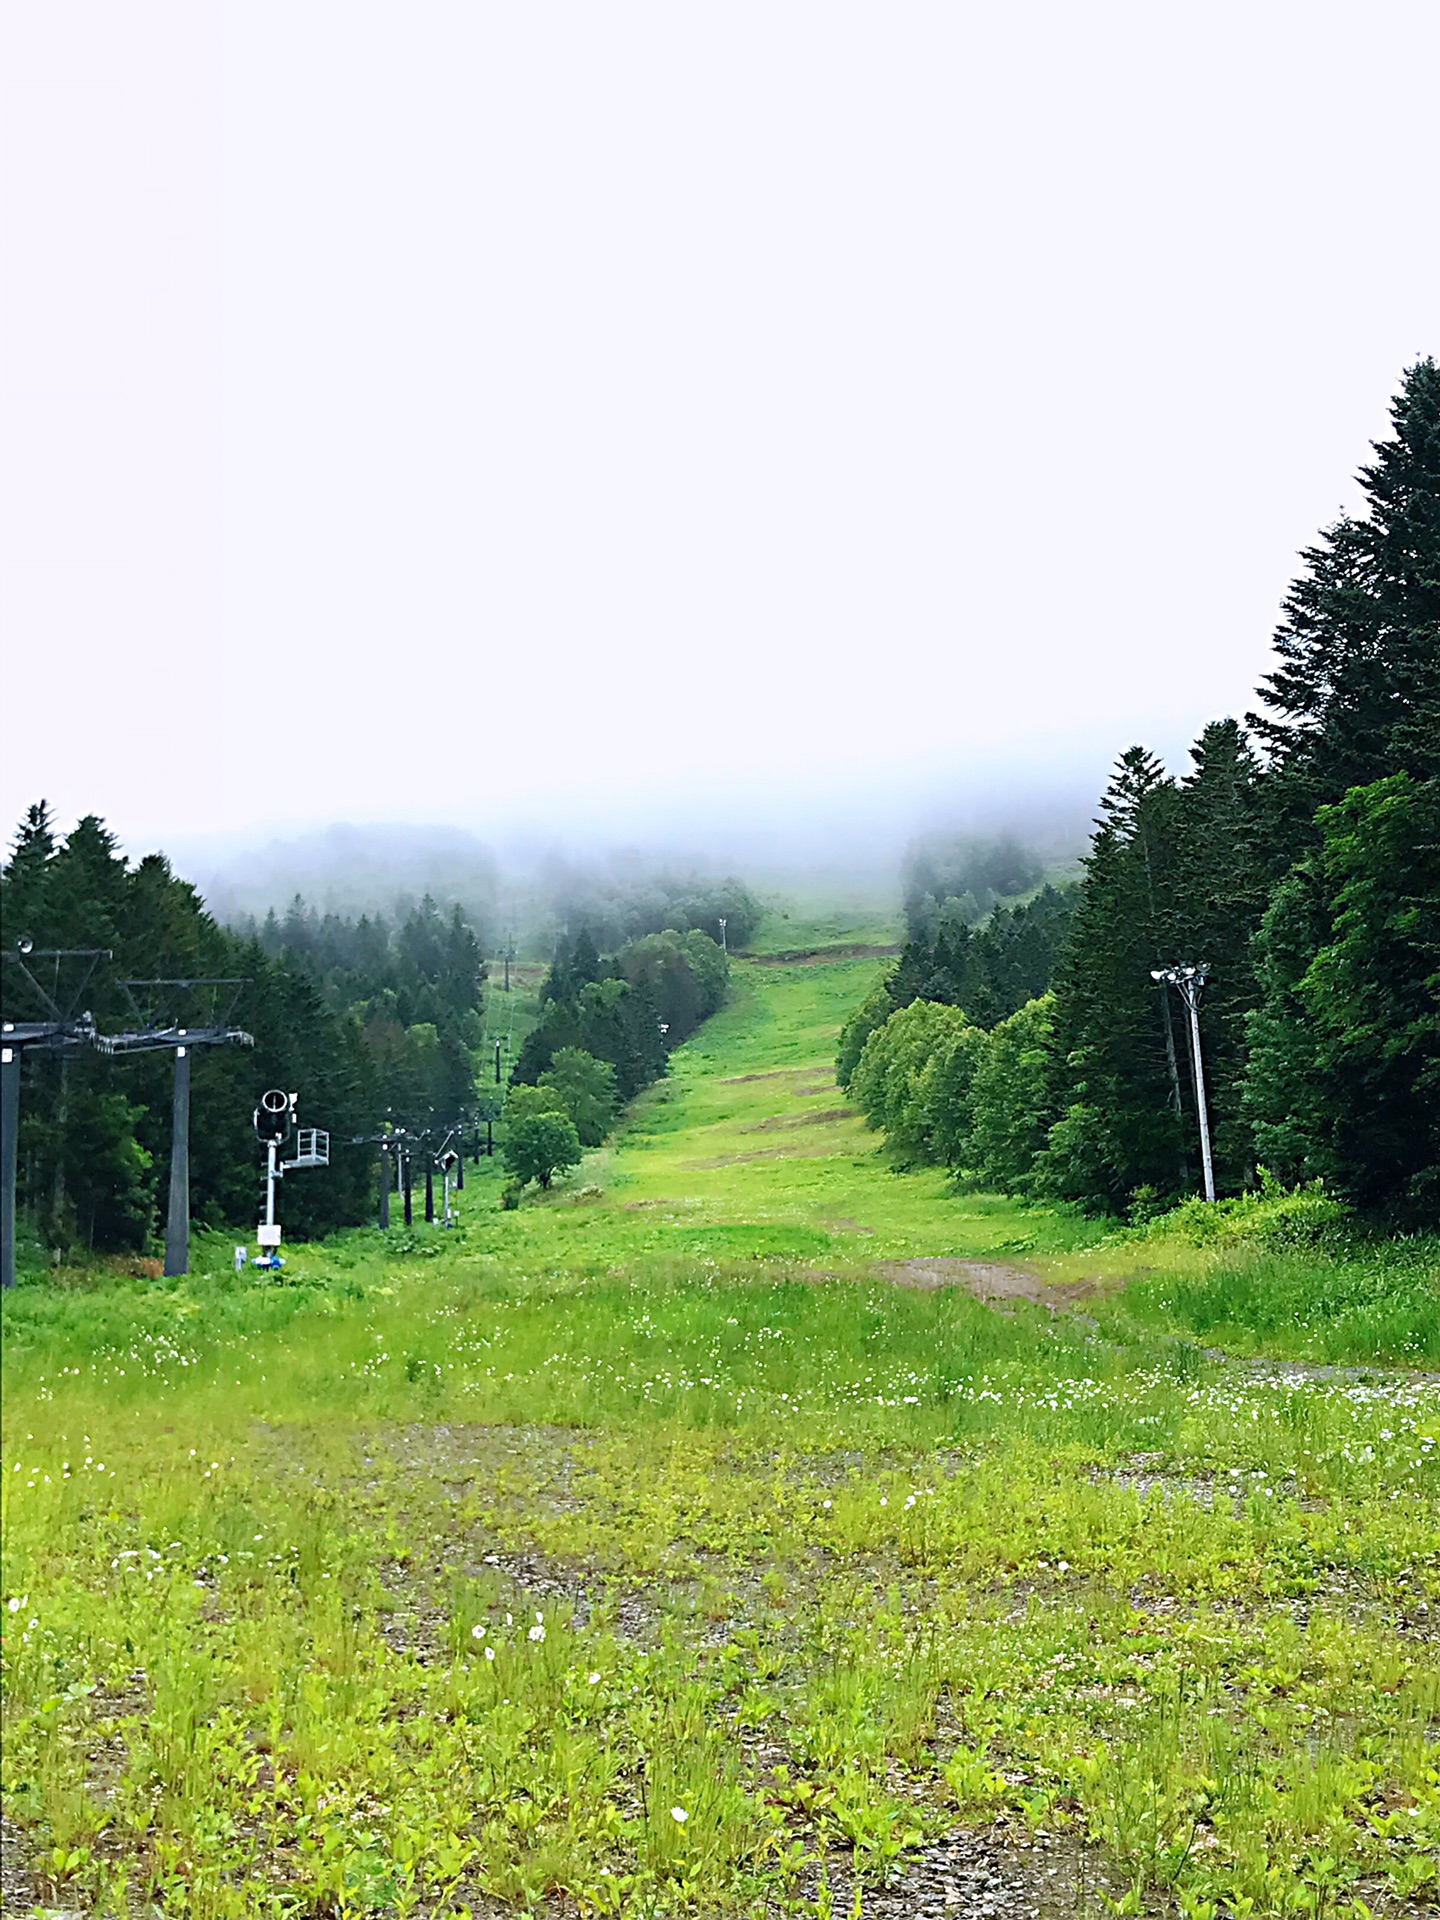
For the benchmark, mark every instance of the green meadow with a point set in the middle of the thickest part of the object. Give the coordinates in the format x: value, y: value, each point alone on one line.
x: 694, y: 1540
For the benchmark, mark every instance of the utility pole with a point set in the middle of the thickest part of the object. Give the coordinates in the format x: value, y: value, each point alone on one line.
x: 724, y: 947
x: 1188, y: 981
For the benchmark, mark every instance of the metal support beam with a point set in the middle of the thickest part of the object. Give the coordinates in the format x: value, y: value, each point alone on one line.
x: 177, y: 1219
x: 1192, y: 1001
x: 429, y: 1192
x: 384, y: 1186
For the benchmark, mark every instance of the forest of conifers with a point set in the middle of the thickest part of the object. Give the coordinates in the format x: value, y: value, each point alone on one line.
x: 1021, y: 1039
x: 1298, y: 858
x: 374, y: 1021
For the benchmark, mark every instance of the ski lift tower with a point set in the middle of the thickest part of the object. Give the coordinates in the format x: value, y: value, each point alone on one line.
x: 450, y: 1164
x: 62, y: 1028
x: 156, y: 1035
x: 275, y: 1121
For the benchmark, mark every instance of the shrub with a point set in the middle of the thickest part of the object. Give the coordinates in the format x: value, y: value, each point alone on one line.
x: 541, y: 1146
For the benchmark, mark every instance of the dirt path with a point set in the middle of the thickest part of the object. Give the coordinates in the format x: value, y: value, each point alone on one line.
x: 819, y: 956
x: 987, y: 1280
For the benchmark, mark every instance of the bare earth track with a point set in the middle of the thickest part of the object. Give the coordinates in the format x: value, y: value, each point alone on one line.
x: 987, y: 1280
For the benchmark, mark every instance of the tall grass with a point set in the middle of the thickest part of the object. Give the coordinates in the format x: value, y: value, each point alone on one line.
x: 645, y: 1553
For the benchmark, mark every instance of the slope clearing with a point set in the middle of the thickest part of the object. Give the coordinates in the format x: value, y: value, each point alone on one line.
x: 650, y: 1550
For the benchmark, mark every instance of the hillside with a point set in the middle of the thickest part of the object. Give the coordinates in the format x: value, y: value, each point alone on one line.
x: 742, y: 1526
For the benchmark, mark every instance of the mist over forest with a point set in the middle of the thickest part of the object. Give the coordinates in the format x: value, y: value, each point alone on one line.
x: 720, y: 981
x: 525, y: 881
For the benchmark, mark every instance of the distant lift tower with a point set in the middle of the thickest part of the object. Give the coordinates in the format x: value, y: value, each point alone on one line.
x: 274, y: 1124
x: 62, y: 1029
x: 152, y: 1037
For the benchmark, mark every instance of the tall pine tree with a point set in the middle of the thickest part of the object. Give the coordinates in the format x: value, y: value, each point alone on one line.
x: 1116, y: 1047
x: 1356, y: 694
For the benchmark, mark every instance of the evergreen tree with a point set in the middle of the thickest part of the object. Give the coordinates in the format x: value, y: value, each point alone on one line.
x: 1115, y: 1049
x: 26, y: 875
x: 1356, y: 695
x: 1220, y: 892
x: 990, y: 970
x: 1345, y: 1074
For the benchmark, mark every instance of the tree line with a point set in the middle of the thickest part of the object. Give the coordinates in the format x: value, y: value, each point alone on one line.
x: 365, y: 1019
x: 607, y: 1026
x: 1298, y: 857
x: 615, y: 907
x: 376, y: 1021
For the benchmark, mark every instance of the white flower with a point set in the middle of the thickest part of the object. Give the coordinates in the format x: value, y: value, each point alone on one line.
x: 477, y: 1632
x: 827, y: 1503
x: 679, y: 1815
x: 489, y: 1653
x: 17, y: 1601
x: 594, y: 1679
x: 508, y: 1621
x: 540, y: 1616
x: 537, y: 1633
x: 883, y: 1501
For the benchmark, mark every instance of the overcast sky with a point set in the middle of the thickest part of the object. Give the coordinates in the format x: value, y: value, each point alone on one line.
x: 613, y: 414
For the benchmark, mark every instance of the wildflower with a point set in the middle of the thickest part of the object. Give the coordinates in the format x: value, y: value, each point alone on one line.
x: 537, y: 1633
x: 679, y: 1816
x: 883, y: 1501
x: 477, y: 1632
x: 17, y: 1601
x: 827, y: 1503
x: 489, y: 1653
x: 594, y: 1680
